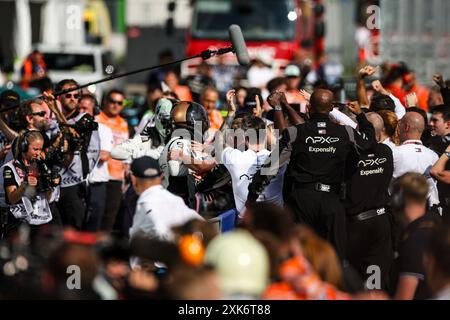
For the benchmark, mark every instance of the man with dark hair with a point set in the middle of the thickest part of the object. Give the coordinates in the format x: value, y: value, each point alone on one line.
x: 409, y: 206
x: 243, y: 162
x: 209, y: 99
x: 440, y: 128
x: 110, y: 117
x: 381, y: 102
x: 317, y: 151
x: 277, y: 84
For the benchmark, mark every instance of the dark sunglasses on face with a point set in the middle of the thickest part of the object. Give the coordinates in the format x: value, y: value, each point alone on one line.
x: 40, y: 113
x: 69, y: 95
x: 120, y: 103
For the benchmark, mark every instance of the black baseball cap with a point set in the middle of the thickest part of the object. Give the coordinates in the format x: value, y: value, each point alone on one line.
x: 9, y: 98
x: 145, y: 167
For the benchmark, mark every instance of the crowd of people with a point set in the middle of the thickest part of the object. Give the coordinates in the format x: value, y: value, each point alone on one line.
x: 329, y: 199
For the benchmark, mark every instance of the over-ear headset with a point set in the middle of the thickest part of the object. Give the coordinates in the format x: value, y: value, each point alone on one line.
x: 397, y: 201
x: 23, y: 143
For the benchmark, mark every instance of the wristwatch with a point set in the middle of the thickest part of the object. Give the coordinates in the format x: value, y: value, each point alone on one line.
x: 447, y: 154
x: 278, y: 108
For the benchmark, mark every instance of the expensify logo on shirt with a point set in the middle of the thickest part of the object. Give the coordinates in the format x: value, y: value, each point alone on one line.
x: 371, y: 162
x: 321, y: 140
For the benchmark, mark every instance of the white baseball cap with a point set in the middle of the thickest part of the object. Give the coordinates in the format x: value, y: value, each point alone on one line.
x: 292, y: 71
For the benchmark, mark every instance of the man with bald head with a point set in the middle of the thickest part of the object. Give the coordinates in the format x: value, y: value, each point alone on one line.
x: 368, y: 222
x: 317, y: 152
x: 412, y: 155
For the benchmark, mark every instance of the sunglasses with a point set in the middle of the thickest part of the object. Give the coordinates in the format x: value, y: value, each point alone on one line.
x: 70, y: 95
x: 40, y: 113
x: 120, y: 103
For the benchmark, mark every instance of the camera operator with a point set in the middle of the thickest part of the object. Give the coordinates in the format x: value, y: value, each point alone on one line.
x: 76, y: 128
x: 29, y: 185
x: 99, y: 152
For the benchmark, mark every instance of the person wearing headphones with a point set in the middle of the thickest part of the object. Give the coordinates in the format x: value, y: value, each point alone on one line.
x: 27, y: 193
x: 410, y: 209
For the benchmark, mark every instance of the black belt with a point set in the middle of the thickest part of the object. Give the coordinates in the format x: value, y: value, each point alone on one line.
x: 317, y: 186
x: 369, y: 214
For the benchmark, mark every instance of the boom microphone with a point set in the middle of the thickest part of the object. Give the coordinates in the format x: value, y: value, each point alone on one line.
x: 237, y: 39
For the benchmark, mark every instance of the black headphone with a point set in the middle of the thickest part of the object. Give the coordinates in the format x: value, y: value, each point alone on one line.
x: 23, y: 142
x: 397, y: 201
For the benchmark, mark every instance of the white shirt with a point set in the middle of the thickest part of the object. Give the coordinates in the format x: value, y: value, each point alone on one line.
x: 157, y: 211
x: 412, y: 156
x: 242, y: 166
x: 400, y: 109
x: 99, y: 172
x: 258, y: 77
x: 390, y: 144
x: 342, y: 118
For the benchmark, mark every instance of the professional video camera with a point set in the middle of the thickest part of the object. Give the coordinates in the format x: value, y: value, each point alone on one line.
x: 84, y: 128
x: 46, y: 176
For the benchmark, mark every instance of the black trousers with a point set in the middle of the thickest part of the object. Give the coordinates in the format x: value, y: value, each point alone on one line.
x: 113, y: 199
x: 125, y: 217
x: 323, y: 212
x: 96, y: 203
x: 72, y: 205
x: 56, y: 217
x: 370, y: 244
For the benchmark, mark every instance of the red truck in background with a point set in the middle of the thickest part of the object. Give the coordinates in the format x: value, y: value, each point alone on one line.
x: 273, y: 30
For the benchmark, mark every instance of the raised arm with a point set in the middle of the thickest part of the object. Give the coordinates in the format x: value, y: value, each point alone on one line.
x: 365, y: 72
x: 445, y: 91
x: 438, y: 171
x: 365, y: 138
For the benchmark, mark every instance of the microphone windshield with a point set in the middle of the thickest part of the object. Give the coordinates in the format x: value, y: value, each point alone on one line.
x: 237, y: 39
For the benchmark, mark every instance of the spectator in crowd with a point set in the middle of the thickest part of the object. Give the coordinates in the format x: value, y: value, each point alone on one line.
x: 322, y: 257
x: 237, y: 280
x: 260, y: 73
x: 201, y: 80
x: 440, y: 129
x: 293, y: 96
x: 437, y: 264
x: 110, y: 117
x: 157, y: 76
x: 409, y: 204
x: 389, y: 134
x: 173, y: 83
x: 34, y: 69
x: 209, y: 100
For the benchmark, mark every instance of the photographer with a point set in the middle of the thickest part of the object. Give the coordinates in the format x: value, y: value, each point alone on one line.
x: 76, y: 128
x: 29, y: 186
